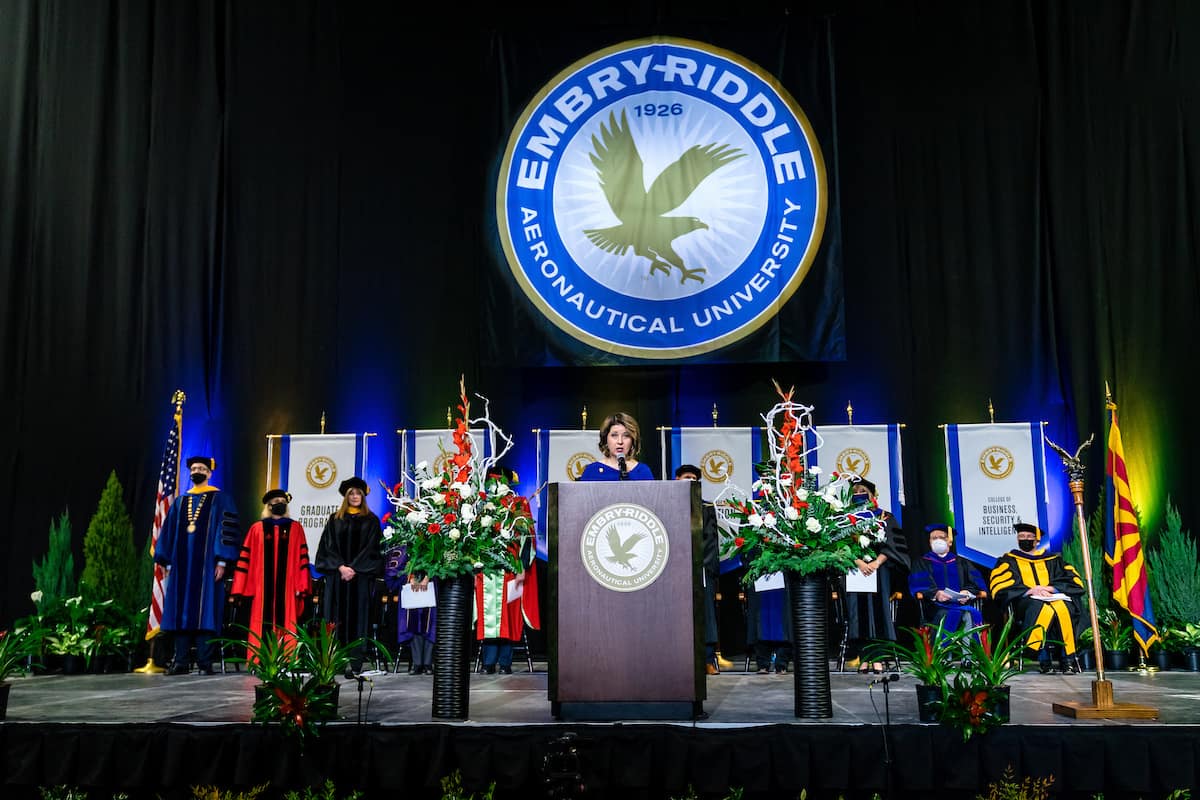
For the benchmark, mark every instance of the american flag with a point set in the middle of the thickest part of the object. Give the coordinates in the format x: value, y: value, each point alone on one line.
x: 168, y: 480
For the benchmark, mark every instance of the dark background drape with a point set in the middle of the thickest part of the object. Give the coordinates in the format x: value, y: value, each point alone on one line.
x: 283, y: 209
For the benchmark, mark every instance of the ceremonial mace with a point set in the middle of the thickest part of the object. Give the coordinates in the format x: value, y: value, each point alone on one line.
x: 1102, y: 705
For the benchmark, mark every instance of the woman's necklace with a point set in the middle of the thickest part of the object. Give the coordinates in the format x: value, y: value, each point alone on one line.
x: 193, y: 513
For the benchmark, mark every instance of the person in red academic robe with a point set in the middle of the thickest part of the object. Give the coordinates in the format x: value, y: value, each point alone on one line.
x: 272, y: 569
x: 505, y: 604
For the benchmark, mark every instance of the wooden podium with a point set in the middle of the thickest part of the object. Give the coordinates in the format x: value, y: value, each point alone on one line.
x: 626, y: 631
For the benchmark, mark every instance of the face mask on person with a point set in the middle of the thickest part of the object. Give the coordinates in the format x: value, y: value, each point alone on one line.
x: 940, y: 546
x: 199, y: 478
x: 279, y: 509
x: 860, y: 499
x: 1026, y: 544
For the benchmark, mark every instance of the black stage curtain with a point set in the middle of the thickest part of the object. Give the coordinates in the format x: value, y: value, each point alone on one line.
x: 282, y: 208
x: 651, y: 761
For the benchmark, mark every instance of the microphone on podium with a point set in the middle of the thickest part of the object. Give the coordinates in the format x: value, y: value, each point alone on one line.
x: 621, y: 467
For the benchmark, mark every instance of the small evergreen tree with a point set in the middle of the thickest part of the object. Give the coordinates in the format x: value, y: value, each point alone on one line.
x: 110, y: 568
x: 1174, y: 569
x: 55, y: 576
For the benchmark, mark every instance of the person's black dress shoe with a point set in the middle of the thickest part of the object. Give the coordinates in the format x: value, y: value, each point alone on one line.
x: 178, y: 669
x: 208, y: 670
x: 487, y: 669
x: 348, y: 674
x: 506, y: 670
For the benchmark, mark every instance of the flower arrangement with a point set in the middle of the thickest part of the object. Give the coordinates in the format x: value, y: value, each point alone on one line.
x: 789, y: 522
x: 466, y: 519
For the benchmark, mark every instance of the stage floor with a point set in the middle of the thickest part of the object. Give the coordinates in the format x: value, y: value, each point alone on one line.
x: 735, y: 699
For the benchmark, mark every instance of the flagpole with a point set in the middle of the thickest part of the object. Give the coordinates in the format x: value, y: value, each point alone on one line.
x: 151, y: 667
x: 1102, y: 705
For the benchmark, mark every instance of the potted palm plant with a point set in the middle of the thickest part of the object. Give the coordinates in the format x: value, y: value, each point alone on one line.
x: 16, y: 647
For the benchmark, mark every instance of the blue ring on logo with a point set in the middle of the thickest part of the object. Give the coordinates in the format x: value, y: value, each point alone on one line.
x: 678, y: 334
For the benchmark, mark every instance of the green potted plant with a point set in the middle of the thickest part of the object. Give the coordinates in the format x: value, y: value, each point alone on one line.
x: 1186, y: 641
x: 16, y: 648
x: 975, y: 694
x: 1116, y: 637
x: 926, y: 653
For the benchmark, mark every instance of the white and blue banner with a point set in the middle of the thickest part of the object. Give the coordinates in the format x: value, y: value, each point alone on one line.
x: 562, y: 456
x: 435, y: 447
x: 869, y: 451
x: 724, y: 455
x: 311, y: 467
x: 997, y: 477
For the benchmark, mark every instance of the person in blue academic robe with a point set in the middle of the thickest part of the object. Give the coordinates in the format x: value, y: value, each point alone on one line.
x: 946, y: 583
x: 200, y: 537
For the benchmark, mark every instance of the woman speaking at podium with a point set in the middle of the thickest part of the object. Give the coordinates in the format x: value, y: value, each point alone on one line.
x: 620, y: 440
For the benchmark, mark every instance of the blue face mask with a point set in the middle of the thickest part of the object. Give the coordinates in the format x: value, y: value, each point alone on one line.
x: 860, y: 499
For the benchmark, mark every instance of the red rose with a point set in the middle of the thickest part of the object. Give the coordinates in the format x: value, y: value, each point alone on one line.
x: 450, y: 519
x: 738, y: 541
x: 853, y: 519
x: 386, y: 517
x: 434, y: 527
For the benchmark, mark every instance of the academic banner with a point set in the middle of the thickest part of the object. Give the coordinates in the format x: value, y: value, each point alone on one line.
x: 311, y: 467
x: 562, y: 455
x: 997, y: 476
x: 868, y: 451
x: 435, y: 447
x: 724, y: 455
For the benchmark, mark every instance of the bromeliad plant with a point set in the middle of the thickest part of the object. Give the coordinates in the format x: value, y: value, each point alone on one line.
x: 929, y: 654
x: 465, y: 519
x: 789, y: 522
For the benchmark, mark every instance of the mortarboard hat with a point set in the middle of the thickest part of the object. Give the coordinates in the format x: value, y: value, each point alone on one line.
x: 870, y: 486
x: 271, y: 495
x: 354, y: 483
x: 211, y: 463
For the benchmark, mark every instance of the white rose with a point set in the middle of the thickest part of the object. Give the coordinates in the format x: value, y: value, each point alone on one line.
x: 463, y: 489
x: 454, y: 534
x: 791, y: 513
x: 755, y: 521
x: 387, y: 534
x: 486, y: 521
x: 801, y: 492
x: 506, y: 533
x: 417, y: 517
x: 502, y: 489
x: 835, y: 504
x: 431, y: 483
x: 813, y: 524
x: 489, y: 506
x: 437, y: 499
x: 864, y: 540
x: 769, y: 520
x: 468, y: 512
x: 815, y: 470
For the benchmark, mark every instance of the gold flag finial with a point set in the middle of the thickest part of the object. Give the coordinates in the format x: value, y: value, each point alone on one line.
x: 714, y: 413
x: 849, y: 413
x: 178, y: 397
x: 583, y: 416
x: 991, y: 412
x: 1108, y: 400
x: 449, y: 418
x: 322, y: 422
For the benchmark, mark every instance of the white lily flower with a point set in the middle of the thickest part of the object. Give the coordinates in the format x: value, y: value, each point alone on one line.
x: 813, y: 524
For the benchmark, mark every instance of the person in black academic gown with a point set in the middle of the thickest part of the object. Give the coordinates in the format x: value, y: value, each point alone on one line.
x: 869, y: 614
x: 350, y: 558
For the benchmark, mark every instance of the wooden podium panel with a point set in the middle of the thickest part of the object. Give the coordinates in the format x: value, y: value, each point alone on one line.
x: 626, y: 633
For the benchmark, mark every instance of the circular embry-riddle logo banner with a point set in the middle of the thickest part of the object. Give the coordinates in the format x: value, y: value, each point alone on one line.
x: 624, y: 547
x: 661, y: 198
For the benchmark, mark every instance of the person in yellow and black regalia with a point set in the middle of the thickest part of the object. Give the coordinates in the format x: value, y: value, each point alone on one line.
x: 1040, y: 590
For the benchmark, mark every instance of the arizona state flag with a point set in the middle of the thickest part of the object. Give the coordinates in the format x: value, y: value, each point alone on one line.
x: 1123, y: 542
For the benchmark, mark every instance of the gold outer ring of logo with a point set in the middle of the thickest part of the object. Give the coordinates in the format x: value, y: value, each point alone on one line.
x: 717, y: 466
x: 996, y: 462
x: 853, y: 452
x: 576, y: 464
x: 311, y: 476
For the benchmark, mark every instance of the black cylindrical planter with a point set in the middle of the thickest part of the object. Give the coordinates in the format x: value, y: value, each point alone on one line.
x: 451, y: 657
x: 926, y: 697
x: 1191, y: 659
x: 809, y: 597
x: 1116, y: 660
